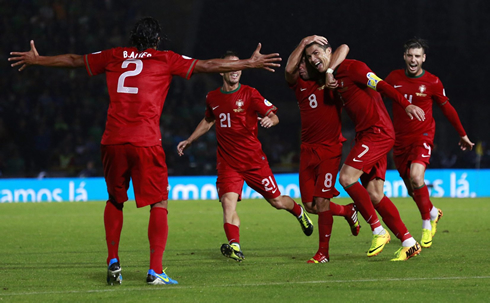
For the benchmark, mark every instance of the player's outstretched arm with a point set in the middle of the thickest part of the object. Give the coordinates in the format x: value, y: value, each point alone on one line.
x: 269, y: 121
x: 25, y: 59
x: 292, y: 66
x: 203, y: 127
x: 412, y: 111
x: 257, y: 61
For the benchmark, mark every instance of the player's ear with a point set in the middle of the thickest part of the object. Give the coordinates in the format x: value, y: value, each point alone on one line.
x: 423, y: 58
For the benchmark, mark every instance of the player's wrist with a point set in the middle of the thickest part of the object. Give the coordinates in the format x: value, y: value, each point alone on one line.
x: 330, y: 71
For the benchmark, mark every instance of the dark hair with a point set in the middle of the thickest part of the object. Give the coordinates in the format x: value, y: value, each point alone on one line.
x: 230, y: 53
x: 145, y: 34
x: 416, y: 43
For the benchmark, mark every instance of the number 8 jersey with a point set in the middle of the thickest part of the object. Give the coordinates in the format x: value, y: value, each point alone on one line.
x: 138, y: 84
x: 236, y: 120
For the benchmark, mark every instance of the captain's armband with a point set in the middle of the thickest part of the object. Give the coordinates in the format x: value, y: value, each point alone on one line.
x: 373, y: 80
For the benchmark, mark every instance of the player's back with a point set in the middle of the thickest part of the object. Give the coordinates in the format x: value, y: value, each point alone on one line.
x: 363, y: 104
x: 320, y: 114
x: 138, y: 84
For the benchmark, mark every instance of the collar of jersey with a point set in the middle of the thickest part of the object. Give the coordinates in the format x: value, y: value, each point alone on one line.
x: 414, y: 77
x: 231, y: 91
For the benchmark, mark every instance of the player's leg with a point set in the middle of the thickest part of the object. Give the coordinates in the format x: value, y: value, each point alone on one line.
x: 231, y: 225
x: 150, y: 182
x: 116, y: 173
x: 325, y: 223
x: 422, y: 199
x: 391, y: 217
x: 348, y: 178
x: 229, y: 185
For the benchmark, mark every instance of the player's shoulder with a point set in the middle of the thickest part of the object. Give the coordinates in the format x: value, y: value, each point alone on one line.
x: 431, y: 78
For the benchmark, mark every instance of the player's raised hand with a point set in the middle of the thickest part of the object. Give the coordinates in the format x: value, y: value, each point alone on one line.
x: 24, y: 59
x: 465, y: 143
x: 267, y: 62
x: 415, y: 111
x: 182, y: 146
x: 315, y: 39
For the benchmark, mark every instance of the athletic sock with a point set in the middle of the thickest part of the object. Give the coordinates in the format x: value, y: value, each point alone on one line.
x: 409, y: 242
x: 157, y: 235
x: 339, y: 210
x: 426, y: 224
x: 232, y: 233
x: 434, y: 213
x: 363, y: 202
x: 297, y: 211
x: 325, y: 223
x: 391, y: 217
x: 113, y: 222
x: 422, y: 199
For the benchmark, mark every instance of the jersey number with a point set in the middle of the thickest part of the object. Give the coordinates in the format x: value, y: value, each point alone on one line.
x: 130, y: 73
x: 224, y: 120
x: 409, y: 98
x: 313, y: 102
x: 268, y: 181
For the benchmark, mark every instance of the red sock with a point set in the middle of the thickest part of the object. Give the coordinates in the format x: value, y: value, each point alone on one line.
x: 422, y: 199
x: 157, y: 235
x: 232, y: 233
x: 364, y: 205
x: 338, y: 210
x: 113, y: 222
x: 325, y: 223
x: 296, y: 209
x: 391, y: 217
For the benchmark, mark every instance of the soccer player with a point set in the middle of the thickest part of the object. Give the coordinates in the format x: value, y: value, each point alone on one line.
x: 414, y: 140
x: 321, y: 145
x: 138, y: 80
x: 358, y: 91
x: 236, y: 109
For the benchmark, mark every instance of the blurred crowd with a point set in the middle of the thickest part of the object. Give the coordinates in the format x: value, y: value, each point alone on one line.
x: 51, y: 121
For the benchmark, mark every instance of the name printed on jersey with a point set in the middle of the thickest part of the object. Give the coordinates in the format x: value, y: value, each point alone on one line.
x: 136, y: 55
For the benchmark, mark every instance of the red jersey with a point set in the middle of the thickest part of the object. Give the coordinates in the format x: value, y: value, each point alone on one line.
x: 421, y: 91
x: 138, y: 84
x: 364, y: 105
x: 236, y: 115
x: 320, y: 114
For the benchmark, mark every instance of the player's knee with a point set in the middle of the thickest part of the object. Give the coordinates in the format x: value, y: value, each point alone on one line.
x: 345, y: 180
x: 376, y: 197
x: 417, y: 181
x: 310, y: 207
x: 119, y: 206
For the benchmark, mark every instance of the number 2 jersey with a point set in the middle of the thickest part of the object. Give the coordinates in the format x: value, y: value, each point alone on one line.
x: 138, y: 84
x: 236, y: 121
x: 421, y: 91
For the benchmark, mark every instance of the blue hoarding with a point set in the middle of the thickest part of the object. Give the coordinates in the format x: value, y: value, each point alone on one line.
x: 459, y: 183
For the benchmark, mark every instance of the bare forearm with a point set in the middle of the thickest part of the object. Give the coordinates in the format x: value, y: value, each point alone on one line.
x: 294, y: 60
x: 339, y: 56
x: 203, y: 127
x: 66, y: 60
x: 221, y: 65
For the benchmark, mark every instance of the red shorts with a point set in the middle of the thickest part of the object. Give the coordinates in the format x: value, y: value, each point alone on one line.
x: 369, y: 153
x: 419, y: 152
x: 318, y: 168
x: 145, y: 166
x: 261, y: 180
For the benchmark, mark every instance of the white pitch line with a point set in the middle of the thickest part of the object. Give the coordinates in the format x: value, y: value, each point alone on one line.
x: 122, y: 288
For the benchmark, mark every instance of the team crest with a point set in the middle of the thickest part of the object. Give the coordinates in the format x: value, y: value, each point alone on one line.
x: 239, y: 103
x: 422, y: 89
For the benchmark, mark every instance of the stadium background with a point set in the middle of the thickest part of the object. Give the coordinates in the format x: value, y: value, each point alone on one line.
x: 51, y: 121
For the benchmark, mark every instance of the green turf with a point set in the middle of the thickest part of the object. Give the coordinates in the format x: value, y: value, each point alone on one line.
x: 55, y: 252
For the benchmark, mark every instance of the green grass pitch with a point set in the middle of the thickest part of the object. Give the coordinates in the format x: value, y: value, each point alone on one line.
x: 55, y: 252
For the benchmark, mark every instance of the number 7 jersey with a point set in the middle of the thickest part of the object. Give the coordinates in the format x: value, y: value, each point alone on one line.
x: 138, y: 84
x: 236, y: 121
